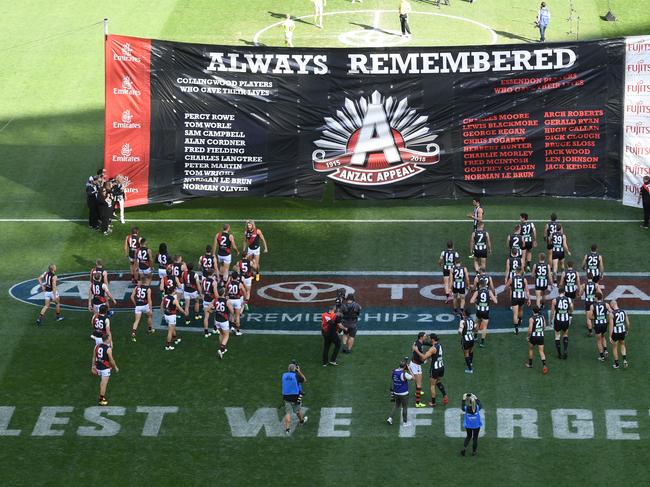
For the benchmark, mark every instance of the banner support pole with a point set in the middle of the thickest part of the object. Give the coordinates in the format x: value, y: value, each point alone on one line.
x: 105, y: 28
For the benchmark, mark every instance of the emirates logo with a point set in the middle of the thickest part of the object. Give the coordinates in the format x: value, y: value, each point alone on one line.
x: 127, y: 84
x: 126, y: 116
x: 375, y: 141
x: 126, y: 150
x: 127, y: 50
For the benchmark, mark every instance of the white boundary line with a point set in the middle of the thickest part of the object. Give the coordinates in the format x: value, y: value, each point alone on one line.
x: 494, y: 35
x: 296, y: 220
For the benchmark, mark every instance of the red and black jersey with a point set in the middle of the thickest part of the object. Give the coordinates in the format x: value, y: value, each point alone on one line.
x: 245, y: 268
x: 100, y: 325
x: 168, y: 284
x: 234, y: 288
x: 169, y: 305
x: 208, y: 288
x: 177, y: 270
x: 224, y: 243
x: 141, y: 295
x: 416, y: 359
x: 98, y: 291
x: 102, y: 361
x: 96, y: 269
x: 252, y: 239
x: 189, y: 281
x: 220, y: 306
x: 162, y: 260
x: 143, y: 258
x: 133, y: 244
x: 48, y: 281
x: 207, y: 261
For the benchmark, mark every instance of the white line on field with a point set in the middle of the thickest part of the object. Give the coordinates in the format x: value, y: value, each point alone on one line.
x: 353, y: 273
x: 293, y: 220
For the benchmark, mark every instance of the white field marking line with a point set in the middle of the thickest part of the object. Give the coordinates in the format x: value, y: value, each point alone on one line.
x: 257, y: 35
x: 296, y: 220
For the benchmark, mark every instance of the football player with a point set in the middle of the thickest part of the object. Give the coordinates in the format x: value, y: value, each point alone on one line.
x: 48, y: 282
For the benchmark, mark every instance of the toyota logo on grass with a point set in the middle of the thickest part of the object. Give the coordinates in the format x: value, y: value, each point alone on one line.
x: 302, y: 291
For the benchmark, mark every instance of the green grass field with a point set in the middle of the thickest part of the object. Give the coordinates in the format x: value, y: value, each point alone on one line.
x: 51, y: 136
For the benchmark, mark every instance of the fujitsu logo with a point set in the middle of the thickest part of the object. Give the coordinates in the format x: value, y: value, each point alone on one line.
x: 639, y: 128
x: 641, y: 46
x: 638, y: 87
x: 637, y: 150
x: 127, y: 88
x: 125, y: 155
x: 637, y: 170
x: 638, y: 108
x: 126, y: 121
x: 638, y: 67
x: 375, y: 141
x: 127, y: 54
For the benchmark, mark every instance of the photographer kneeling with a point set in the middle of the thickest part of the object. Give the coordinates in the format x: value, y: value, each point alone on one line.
x: 291, y: 394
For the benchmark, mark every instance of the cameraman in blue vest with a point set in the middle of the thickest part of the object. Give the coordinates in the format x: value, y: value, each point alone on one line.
x: 291, y: 394
x: 471, y: 421
x: 400, y: 391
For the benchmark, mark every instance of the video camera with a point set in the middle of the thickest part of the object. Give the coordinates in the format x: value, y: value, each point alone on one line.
x: 340, y: 298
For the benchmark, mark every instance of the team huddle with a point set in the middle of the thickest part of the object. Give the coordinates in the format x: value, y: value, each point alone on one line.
x: 217, y: 288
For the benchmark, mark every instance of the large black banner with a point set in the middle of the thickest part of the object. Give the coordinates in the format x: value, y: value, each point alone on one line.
x: 398, y: 123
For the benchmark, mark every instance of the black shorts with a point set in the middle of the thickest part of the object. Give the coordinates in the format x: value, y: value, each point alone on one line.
x: 549, y: 246
x: 517, y: 302
x: 536, y: 340
x: 467, y: 344
x: 596, y: 278
x: 600, y: 329
x: 446, y: 272
x: 570, y: 294
x: 618, y: 337
x: 588, y: 305
x: 131, y: 254
x: 483, y: 315
x: 528, y: 245
x: 540, y: 288
x: 437, y: 373
x: 558, y: 255
x: 480, y: 254
x: 351, y: 330
x: 456, y: 290
x: 561, y: 326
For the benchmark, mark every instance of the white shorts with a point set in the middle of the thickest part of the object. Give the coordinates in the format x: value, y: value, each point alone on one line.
x: 97, y: 306
x: 145, y: 272
x: 143, y: 309
x: 416, y: 369
x: 206, y: 305
x: 98, y: 340
x: 236, y: 303
x: 288, y: 36
x: 224, y: 259
x: 162, y: 273
x: 254, y: 252
x: 170, y: 320
x: 51, y: 295
x: 180, y: 290
x: 248, y: 281
x: 104, y: 372
x: 223, y: 325
x: 192, y: 295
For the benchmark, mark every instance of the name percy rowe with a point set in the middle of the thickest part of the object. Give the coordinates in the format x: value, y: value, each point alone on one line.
x: 373, y: 141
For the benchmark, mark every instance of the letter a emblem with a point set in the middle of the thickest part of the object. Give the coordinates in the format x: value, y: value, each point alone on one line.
x: 375, y: 136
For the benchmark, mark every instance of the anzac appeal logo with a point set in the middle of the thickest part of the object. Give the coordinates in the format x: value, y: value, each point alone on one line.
x: 374, y: 142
